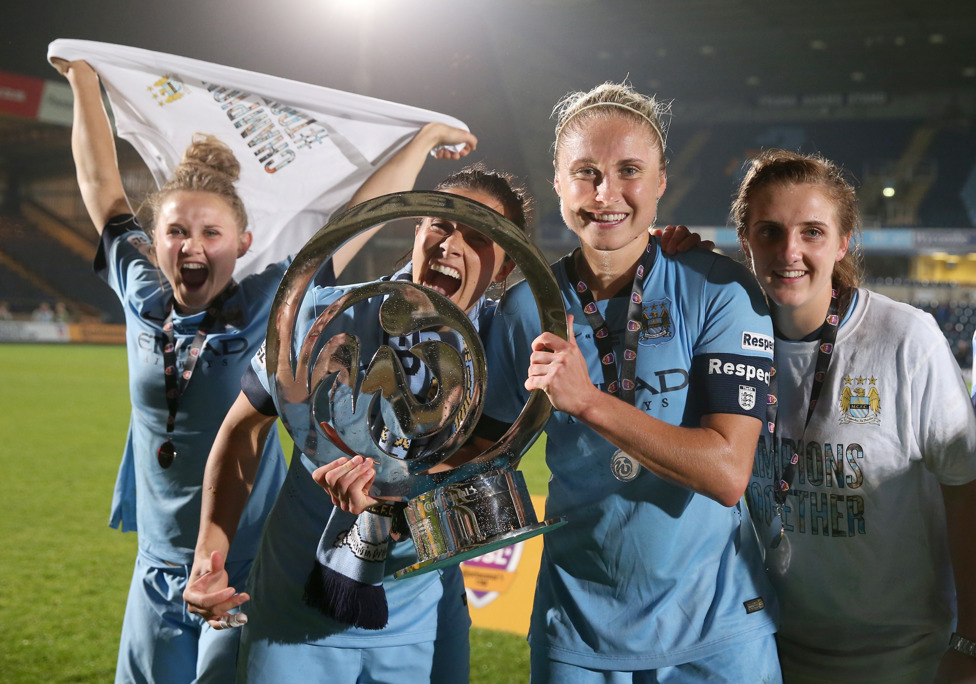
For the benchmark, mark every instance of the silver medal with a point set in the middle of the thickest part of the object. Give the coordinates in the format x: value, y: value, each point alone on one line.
x: 624, y: 467
x: 777, y: 531
x: 778, y: 557
x: 780, y: 552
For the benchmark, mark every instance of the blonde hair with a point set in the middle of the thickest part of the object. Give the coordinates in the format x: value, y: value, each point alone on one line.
x: 208, y: 165
x: 781, y: 167
x: 609, y: 99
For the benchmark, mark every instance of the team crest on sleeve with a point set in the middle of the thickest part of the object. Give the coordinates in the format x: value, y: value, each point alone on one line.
x: 656, y: 323
x: 860, y: 401
x: 141, y: 242
x: 747, y: 397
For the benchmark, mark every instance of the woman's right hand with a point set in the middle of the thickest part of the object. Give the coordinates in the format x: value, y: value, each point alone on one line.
x: 443, y: 137
x: 208, y: 595
x: 558, y: 368
x: 348, y: 481
x: 61, y: 65
x: 93, y: 145
x: 678, y: 239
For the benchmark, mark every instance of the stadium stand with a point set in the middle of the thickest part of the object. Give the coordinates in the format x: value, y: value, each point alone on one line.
x: 38, y: 267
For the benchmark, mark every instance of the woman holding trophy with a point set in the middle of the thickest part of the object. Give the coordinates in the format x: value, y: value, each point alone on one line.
x: 659, y: 397
x: 414, y: 629
x: 181, y: 304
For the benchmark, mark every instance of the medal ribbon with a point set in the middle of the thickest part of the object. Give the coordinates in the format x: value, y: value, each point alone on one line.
x: 827, y: 336
x: 175, y: 387
x: 625, y: 388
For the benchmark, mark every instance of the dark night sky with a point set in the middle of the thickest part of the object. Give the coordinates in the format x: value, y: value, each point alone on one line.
x: 501, y: 65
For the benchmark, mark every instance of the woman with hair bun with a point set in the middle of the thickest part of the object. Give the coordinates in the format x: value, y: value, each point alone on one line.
x: 191, y: 332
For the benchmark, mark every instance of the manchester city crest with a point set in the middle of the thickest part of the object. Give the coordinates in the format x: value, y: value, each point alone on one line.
x: 139, y: 240
x: 860, y: 403
x: 167, y: 89
x: 657, y: 325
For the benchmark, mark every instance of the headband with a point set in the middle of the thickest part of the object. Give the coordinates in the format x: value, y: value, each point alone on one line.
x: 654, y: 124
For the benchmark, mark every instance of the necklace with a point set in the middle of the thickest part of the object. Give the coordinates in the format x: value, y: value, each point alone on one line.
x: 175, y: 388
x: 623, y: 466
x: 828, y: 334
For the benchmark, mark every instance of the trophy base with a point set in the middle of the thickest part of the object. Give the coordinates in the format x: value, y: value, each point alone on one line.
x: 455, y: 557
x: 458, y: 521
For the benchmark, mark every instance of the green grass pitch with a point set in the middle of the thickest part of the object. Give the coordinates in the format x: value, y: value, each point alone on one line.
x: 64, y: 573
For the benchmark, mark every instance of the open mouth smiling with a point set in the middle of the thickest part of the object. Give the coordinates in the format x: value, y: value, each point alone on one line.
x: 607, y: 217
x: 442, y: 279
x: 194, y: 275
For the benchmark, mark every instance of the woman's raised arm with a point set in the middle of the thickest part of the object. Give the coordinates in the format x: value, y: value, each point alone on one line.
x: 400, y: 173
x: 93, y: 146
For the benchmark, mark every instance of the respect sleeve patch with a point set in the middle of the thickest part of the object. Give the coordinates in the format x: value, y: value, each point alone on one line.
x: 730, y: 383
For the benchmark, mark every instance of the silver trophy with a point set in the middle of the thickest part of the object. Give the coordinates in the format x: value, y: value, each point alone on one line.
x: 336, y: 388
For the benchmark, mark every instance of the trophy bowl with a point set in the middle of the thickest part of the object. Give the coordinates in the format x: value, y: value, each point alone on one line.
x: 343, y: 393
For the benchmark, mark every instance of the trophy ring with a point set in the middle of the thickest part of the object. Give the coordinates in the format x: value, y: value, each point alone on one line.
x: 332, y: 399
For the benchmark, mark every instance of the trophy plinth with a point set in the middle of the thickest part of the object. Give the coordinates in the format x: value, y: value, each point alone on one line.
x: 458, y: 521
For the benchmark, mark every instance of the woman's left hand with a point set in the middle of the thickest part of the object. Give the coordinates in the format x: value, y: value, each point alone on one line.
x: 449, y: 142
x: 678, y: 239
x: 558, y: 368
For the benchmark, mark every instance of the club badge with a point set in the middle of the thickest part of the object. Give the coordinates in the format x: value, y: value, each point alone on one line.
x: 860, y: 404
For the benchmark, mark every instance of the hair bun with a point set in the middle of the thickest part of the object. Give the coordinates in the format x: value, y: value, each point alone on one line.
x: 208, y: 165
x: 207, y: 150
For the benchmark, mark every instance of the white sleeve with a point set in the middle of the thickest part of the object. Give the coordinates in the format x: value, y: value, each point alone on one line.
x: 946, y: 423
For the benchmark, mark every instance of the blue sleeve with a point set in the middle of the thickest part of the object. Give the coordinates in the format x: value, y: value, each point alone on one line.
x: 733, y: 355
x: 124, y: 256
x: 256, y: 385
x: 514, y: 326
